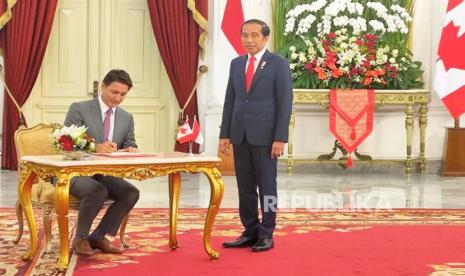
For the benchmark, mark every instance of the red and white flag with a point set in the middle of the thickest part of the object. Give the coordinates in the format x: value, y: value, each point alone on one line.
x: 228, y: 40
x: 233, y: 18
x: 449, y: 79
x: 185, y: 132
x: 196, y: 132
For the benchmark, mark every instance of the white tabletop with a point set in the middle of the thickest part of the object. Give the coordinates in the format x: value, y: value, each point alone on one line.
x: 159, y: 158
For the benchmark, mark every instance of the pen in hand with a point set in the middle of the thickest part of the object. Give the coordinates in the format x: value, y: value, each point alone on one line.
x: 106, y: 147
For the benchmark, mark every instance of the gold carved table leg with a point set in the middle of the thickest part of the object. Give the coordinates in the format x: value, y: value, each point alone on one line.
x: 217, y: 187
x: 174, y: 188
x: 423, y: 122
x: 216, y: 195
x: 290, y: 161
x: 409, y: 128
x: 62, y: 206
x: 26, y: 179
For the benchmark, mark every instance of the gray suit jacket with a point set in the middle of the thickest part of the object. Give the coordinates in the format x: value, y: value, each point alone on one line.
x: 262, y: 114
x: 88, y: 113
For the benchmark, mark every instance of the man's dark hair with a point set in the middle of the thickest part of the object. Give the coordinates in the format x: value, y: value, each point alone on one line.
x: 265, y: 27
x: 118, y: 75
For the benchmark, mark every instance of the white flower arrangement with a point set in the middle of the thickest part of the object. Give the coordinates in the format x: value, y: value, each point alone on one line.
x: 344, y: 44
x: 347, y: 13
x: 73, y: 138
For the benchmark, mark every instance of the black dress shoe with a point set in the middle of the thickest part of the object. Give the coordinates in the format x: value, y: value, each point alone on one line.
x: 242, y: 241
x: 263, y: 245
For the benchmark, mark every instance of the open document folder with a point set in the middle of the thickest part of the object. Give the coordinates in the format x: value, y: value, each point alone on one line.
x: 123, y: 154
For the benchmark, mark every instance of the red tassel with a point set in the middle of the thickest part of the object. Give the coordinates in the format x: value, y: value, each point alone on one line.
x: 349, y: 162
x: 353, y: 134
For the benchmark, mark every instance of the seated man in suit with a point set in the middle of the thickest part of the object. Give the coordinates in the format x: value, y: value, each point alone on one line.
x: 113, y: 129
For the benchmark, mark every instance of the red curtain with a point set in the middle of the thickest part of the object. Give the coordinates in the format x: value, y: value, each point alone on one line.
x: 177, y: 35
x: 24, y: 40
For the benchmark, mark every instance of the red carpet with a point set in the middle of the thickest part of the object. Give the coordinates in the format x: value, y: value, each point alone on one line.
x: 401, y: 242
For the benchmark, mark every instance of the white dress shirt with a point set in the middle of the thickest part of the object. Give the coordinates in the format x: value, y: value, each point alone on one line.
x: 258, y: 56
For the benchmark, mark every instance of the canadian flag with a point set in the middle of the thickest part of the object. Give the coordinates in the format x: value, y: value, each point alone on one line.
x: 196, y: 132
x: 449, y: 79
x: 185, y: 132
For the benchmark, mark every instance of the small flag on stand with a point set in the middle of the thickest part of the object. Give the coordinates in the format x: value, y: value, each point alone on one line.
x: 185, y: 132
x: 196, y: 132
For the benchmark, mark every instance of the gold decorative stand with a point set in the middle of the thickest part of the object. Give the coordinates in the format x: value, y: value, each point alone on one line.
x: 411, y: 99
x: 338, y: 146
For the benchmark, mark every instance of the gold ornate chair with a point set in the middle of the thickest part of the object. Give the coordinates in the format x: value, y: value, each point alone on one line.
x: 37, y: 140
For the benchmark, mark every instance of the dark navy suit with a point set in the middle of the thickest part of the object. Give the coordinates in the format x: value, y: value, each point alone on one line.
x: 252, y: 121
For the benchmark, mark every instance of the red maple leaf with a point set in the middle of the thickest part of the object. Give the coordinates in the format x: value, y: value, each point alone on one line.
x: 451, y: 48
x: 183, y: 130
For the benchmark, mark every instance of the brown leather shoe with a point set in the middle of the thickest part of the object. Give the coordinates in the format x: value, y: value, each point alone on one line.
x: 82, y: 247
x: 105, y: 246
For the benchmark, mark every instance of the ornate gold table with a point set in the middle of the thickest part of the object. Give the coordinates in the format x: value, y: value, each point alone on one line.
x: 408, y: 98
x: 171, y: 164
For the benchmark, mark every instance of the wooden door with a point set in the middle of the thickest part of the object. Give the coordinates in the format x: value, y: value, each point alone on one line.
x: 88, y: 39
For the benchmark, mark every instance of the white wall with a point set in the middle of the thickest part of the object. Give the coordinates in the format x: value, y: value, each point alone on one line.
x: 311, y: 135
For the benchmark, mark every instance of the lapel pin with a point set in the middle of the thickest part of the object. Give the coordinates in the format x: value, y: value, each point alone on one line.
x: 263, y: 64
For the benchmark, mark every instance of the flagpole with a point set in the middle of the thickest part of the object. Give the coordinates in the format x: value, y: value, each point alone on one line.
x: 190, y: 148
x: 457, y: 122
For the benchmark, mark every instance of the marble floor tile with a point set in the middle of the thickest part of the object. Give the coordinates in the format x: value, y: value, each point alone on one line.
x: 327, y: 191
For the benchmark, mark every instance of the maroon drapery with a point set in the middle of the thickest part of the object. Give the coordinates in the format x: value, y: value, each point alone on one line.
x: 177, y: 36
x: 24, y: 40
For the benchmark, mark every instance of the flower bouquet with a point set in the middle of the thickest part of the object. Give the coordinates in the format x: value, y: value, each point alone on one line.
x: 350, y: 44
x: 73, y: 141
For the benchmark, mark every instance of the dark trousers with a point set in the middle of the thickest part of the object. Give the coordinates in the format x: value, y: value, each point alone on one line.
x: 256, y: 169
x: 93, y: 191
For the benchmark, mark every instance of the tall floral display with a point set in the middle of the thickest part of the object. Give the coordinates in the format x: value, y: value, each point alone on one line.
x: 350, y: 44
x: 351, y: 48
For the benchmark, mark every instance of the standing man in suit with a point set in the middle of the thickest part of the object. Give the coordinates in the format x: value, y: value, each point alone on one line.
x: 256, y: 115
x: 113, y: 129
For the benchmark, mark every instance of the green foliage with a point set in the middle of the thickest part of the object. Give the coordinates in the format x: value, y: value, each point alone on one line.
x: 280, y: 8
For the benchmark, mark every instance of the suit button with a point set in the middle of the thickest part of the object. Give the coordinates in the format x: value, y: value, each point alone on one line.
x: 245, y: 115
x: 246, y: 101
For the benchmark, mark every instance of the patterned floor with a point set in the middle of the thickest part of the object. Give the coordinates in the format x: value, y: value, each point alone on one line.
x: 147, y: 235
